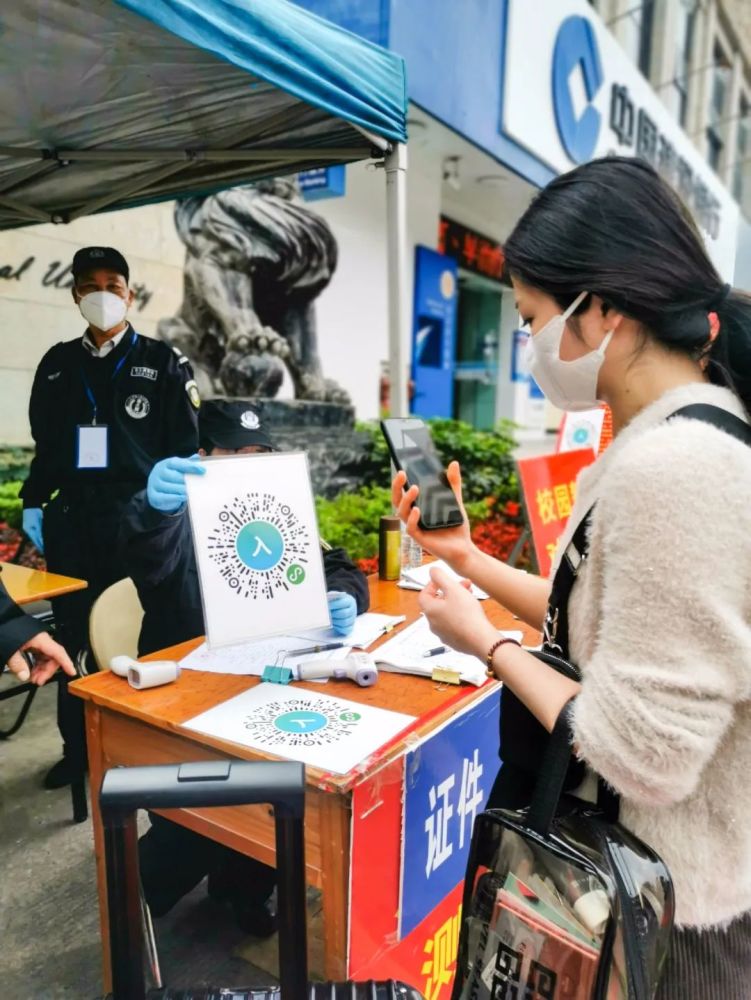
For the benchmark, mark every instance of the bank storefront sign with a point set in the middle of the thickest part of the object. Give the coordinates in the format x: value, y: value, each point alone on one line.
x: 570, y: 93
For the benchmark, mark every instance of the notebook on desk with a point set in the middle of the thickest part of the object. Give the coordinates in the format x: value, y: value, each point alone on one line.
x: 419, y: 577
x: 406, y: 653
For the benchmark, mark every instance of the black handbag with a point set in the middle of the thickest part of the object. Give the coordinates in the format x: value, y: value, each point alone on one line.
x: 560, y: 902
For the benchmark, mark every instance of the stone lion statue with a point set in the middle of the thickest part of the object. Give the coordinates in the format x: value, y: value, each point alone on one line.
x: 256, y: 258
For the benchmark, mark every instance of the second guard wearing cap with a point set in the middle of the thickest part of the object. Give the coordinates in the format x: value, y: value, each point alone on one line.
x: 104, y: 408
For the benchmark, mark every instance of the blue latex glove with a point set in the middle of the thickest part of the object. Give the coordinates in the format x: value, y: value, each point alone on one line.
x: 343, y: 609
x: 165, y: 489
x: 32, y: 526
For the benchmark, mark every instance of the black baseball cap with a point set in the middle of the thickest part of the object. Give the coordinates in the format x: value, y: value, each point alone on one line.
x: 231, y: 423
x: 91, y: 258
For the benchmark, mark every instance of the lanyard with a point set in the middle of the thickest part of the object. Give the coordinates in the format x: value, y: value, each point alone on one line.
x: 118, y: 366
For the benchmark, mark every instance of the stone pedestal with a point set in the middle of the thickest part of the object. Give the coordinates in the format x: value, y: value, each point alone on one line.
x: 326, y: 431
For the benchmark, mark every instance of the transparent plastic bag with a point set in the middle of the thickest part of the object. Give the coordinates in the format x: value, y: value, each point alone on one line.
x: 561, y: 902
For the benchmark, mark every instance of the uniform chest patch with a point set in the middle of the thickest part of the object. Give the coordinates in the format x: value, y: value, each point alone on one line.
x: 138, y: 371
x: 137, y: 406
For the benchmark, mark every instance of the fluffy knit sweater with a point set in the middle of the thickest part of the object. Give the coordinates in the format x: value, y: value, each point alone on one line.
x: 660, y: 626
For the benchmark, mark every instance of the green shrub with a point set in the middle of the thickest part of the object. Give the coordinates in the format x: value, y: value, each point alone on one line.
x: 486, y: 458
x: 11, y: 505
x: 351, y: 519
x: 14, y: 463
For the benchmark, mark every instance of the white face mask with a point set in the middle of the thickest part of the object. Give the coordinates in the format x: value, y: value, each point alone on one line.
x: 104, y: 310
x: 569, y: 385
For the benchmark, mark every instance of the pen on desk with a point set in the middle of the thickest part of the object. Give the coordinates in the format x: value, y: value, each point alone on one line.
x: 321, y: 648
x: 434, y: 652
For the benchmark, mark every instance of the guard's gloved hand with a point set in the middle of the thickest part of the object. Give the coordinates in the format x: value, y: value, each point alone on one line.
x: 343, y: 609
x: 32, y: 526
x: 165, y: 489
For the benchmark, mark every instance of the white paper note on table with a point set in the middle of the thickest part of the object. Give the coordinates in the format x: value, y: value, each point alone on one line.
x: 250, y: 658
x: 419, y: 577
x: 404, y: 653
x: 368, y: 627
x: 320, y: 730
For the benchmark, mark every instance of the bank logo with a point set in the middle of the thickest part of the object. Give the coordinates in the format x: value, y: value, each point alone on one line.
x: 576, y: 51
x: 260, y: 546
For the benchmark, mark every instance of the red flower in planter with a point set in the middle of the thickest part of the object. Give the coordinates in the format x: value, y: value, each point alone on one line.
x: 369, y: 565
x: 497, y: 537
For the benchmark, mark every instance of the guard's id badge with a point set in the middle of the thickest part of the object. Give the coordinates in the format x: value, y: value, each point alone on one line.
x: 91, y: 446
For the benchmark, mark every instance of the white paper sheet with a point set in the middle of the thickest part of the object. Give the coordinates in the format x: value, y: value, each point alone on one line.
x: 320, y: 730
x: 404, y: 654
x: 250, y: 658
x: 419, y: 577
x: 257, y: 547
x: 368, y: 627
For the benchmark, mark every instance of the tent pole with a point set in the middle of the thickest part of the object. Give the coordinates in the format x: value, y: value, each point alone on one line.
x: 396, y: 249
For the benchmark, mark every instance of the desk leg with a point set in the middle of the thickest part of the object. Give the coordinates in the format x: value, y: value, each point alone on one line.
x: 96, y: 774
x: 335, y: 862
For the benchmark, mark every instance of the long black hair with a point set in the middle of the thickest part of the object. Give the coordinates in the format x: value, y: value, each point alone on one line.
x: 614, y: 228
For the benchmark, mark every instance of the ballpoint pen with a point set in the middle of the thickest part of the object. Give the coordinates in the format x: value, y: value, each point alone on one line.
x: 321, y: 648
x: 434, y: 652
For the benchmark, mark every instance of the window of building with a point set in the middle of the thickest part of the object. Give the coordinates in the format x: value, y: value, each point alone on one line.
x: 717, y: 107
x: 645, y: 37
x: 685, y: 15
x: 742, y: 150
x: 636, y: 31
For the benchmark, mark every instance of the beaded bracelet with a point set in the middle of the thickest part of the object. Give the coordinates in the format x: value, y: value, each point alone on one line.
x: 491, y: 652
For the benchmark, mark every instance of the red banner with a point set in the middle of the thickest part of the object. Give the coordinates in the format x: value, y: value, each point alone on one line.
x: 549, y: 488
x: 425, y: 958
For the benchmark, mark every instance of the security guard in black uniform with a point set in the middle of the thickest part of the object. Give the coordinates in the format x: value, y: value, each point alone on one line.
x: 104, y: 409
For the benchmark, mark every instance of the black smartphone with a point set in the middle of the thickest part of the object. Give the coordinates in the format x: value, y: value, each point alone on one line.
x: 412, y: 450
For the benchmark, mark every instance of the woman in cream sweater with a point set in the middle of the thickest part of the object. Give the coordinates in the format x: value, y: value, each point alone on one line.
x: 624, y: 306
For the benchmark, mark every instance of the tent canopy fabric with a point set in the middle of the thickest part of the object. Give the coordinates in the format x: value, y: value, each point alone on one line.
x: 114, y: 103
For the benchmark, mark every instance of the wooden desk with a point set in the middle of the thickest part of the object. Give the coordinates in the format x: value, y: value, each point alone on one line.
x: 28, y: 585
x: 125, y: 726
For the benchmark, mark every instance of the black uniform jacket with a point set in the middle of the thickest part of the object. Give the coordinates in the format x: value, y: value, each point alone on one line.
x: 158, y: 552
x: 16, y: 627
x: 145, y: 394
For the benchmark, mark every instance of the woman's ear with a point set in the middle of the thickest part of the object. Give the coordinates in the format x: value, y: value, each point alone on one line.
x: 611, y: 317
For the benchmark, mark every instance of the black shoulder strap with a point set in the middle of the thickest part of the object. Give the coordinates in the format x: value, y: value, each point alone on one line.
x: 555, y: 629
x: 718, y: 417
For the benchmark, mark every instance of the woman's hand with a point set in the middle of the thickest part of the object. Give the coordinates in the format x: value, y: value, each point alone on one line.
x: 454, y: 545
x: 455, y: 615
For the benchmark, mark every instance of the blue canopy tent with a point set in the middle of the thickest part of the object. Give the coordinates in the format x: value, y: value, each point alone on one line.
x: 116, y: 103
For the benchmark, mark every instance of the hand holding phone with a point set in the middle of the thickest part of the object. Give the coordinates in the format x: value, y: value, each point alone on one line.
x: 413, y: 452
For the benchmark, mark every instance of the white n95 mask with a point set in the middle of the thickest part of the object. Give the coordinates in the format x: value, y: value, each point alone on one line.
x: 104, y: 310
x: 569, y: 385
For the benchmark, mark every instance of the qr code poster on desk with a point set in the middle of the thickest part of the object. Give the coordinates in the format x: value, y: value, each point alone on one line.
x: 257, y: 547
x: 329, y: 733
